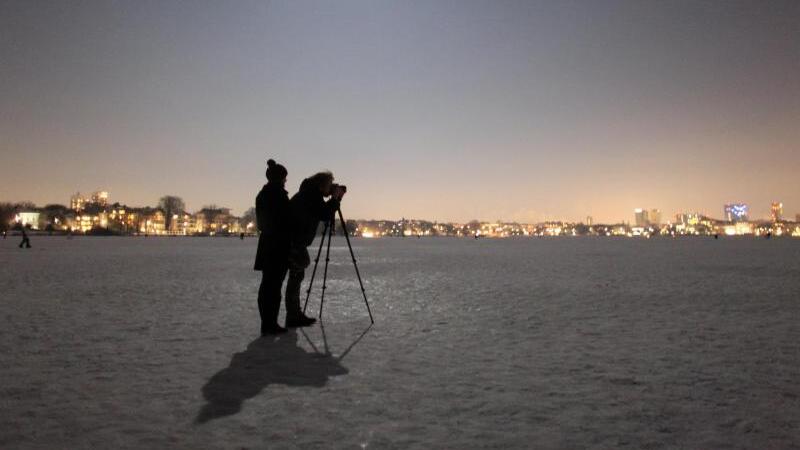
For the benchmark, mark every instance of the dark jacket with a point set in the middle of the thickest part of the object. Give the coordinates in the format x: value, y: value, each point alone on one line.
x: 273, y: 220
x: 308, y: 208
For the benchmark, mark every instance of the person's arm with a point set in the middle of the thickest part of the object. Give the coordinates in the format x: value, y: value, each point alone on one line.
x: 261, y: 212
x: 330, y: 207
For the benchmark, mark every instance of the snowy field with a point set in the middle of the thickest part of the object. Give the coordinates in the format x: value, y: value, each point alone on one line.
x: 529, y: 343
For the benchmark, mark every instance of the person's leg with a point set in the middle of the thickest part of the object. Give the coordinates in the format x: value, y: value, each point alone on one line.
x: 269, y: 296
x: 278, y: 274
x: 263, y: 300
x: 298, y: 262
x: 297, y: 272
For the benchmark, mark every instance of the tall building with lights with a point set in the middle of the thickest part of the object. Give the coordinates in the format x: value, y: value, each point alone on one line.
x: 641, y: 217
x: 645, y: 218
x: 654, y: 217
x: 776, y: 211
x: 100, y: 198
x: 736, y: 212
x: 77, y: 202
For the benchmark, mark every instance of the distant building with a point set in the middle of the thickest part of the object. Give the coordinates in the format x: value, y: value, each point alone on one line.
x: 77, y: 202
x: 589, y: 221
x: 688, y: 218
x: 214, y: 220
x: 738, y: 229
x: 28, y: 219
x: 152, y: 222
x: 122, y: 220
x: 736, y: 212
x: 776, y: 211
x: 645, y: 218
x: 100, y: 198
x: 641, y: 217
x: 182, y: 224
x: 654, y: 217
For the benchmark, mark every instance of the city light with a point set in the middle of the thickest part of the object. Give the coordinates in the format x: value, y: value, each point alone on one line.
x: 95, y: 215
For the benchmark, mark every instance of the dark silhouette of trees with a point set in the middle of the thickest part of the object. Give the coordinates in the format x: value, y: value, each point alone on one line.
x: 171, y: 205
x: 248, y: 217
x: 6, y: 215
x: 9, y: 210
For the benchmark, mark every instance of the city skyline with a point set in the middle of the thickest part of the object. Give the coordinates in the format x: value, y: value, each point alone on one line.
x: 520, y: 111
x: 731, y: 212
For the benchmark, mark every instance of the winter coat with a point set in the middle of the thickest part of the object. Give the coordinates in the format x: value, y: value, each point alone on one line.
x: 308, y: 208
x: 273, y: 221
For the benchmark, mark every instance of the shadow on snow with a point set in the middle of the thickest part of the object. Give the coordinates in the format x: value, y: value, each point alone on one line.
x: 269, y: 360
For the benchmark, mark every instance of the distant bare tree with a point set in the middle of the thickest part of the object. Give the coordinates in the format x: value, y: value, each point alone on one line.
x: 248, y: 217
x: 171, y: 205
x: 7, y: 212
x: 25, y: 206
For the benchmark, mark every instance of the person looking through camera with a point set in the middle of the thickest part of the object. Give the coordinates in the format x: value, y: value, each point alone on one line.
x: 308, y: 207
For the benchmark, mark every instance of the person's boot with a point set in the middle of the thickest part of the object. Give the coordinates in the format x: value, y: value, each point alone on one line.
x: 272, y: 329
x: 300, y: 320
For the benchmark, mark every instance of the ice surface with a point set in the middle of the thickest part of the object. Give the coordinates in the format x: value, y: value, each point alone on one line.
x: 523, y: 343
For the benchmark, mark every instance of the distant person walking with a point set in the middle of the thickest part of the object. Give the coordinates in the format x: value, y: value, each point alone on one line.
x: 272, y: 220
x: 26, y: 242
x: 308, y: 208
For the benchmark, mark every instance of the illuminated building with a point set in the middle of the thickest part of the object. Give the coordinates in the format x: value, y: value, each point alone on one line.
x: 738, y: 229
x: 645, y: 218
x: 122, y: 220
x: 152, y: 222
x: 182, y: 224
x: 654, y: 217
x: 641, y: 217
x: 100, y: 198
x: 214, y: 220
x: 736, y: 212
x: 776, y: 211
x: 589, y: 220
x: 77, y: 202
x: 28, y: 219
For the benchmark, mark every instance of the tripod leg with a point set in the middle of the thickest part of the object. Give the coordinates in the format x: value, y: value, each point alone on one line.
x: 316, y: 262
x: 352, y: 255
x: 325, y: 273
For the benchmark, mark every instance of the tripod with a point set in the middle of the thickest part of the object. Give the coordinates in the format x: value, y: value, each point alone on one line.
x: 330, y: 225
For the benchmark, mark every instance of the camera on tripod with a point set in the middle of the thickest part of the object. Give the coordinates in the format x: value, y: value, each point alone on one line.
x: 338, y: 190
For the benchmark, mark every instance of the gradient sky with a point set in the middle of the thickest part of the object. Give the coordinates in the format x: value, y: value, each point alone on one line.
x: 446, y: 110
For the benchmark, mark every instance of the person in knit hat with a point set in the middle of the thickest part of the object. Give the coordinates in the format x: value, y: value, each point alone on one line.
x: 273, y: 219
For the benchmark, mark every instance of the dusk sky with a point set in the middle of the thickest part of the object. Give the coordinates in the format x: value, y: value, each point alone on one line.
x: 445, y: 110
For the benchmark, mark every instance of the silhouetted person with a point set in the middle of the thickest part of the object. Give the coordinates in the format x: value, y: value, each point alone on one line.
x: 267, y: 360
x: 26, y: 242
x: 308, y: 208
x: 272, y: 219
x: 5, y: 234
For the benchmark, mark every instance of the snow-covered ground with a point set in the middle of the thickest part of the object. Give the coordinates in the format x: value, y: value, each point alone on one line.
x: 523, y: 343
